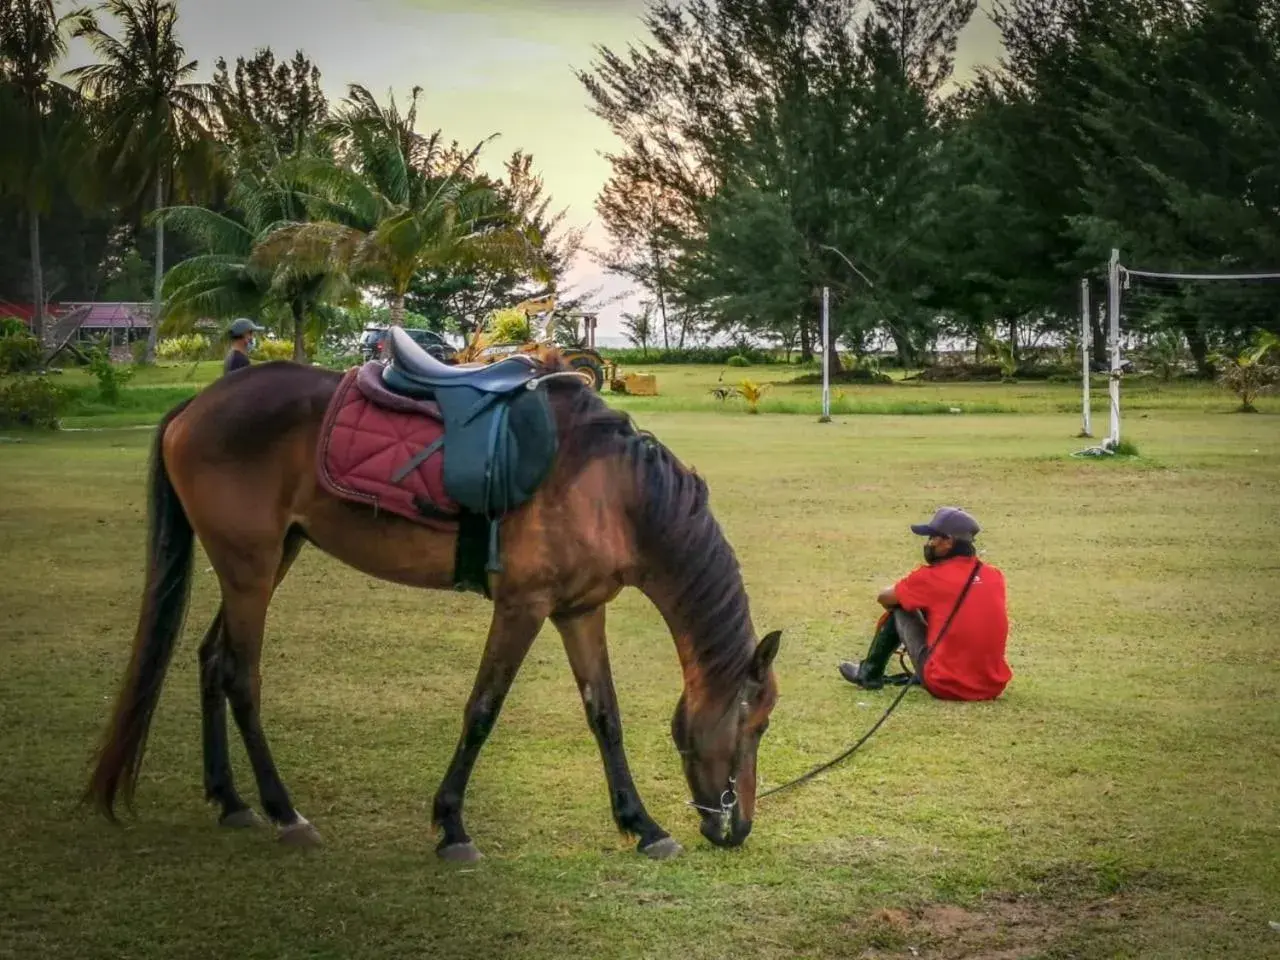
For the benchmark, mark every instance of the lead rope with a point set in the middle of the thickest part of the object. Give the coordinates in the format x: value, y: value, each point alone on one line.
x: 893, y: 706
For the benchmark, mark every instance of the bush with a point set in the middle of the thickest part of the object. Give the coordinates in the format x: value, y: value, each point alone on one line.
x: 711, y: 356
x: 738, y: 360
x: 187, y: 348
x: 856, y: 375
x: 30, y: 402
x: 11, y: 327
x: 19, y: 352
x: 110, y: 376
x: 273, y: 350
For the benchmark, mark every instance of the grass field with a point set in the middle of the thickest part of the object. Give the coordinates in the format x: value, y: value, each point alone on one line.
x: 687, y: 389
x: 1121, y: 800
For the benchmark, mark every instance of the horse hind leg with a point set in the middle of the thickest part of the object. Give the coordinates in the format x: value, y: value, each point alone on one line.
x: 217, y: 673
x: 248, y: 582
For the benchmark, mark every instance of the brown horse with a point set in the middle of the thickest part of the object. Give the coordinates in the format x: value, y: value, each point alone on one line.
x: 236, y: 467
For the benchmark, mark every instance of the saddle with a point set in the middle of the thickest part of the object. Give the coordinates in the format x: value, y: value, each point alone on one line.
x: 446, y: 446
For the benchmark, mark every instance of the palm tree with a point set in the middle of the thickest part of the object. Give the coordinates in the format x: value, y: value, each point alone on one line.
x: 156, y: 120
x: 228, y: 280
x: 36, y: 113
x: 396, y: 204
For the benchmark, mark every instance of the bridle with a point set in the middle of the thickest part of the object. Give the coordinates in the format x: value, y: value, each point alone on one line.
x: 729, y: 796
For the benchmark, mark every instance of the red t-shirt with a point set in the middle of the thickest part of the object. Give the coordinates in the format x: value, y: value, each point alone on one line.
x: 970, y: 663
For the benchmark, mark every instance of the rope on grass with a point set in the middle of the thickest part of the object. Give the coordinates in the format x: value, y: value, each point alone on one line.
x: 1107, y: 448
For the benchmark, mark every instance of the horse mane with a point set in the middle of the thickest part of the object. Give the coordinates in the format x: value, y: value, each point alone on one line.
x: 673, y: 520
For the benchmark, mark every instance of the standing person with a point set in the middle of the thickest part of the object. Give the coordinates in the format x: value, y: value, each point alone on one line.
x: 969, y: 664
x: 241, y: 336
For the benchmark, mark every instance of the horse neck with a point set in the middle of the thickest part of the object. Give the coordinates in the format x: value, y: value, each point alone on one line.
x: 705, y: 606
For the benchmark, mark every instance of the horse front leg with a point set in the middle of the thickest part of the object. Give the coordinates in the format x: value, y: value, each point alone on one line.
x: 511, y: 634
x: 584, y: 642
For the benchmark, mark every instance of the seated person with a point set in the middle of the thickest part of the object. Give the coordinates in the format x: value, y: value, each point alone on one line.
x: 969, y: 664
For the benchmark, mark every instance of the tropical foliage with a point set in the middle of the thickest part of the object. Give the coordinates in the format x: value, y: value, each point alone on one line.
x: 249, y: 195
x: 764, y: 151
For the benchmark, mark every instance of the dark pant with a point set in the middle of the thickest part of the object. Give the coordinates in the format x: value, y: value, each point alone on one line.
x: 897, y: 628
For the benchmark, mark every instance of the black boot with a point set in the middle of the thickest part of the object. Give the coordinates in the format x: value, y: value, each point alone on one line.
x: 868, y: 673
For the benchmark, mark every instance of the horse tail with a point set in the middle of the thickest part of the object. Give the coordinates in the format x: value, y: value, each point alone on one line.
x: 170, y: 555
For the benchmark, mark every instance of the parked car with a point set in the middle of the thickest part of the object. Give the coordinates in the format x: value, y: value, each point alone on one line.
x: 373, y: 343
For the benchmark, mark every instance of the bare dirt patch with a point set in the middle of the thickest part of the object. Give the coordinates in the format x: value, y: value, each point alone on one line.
x: 998, y: 928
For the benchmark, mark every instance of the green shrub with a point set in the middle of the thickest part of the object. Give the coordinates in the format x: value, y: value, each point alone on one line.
x: 30, y: 402
x: 110, y: 376
x: 738, y: 360
x: 273, y: 350
x: 713, y: 356
x: 11, y: 326
x: 187, y: 348
x: 19, y: 352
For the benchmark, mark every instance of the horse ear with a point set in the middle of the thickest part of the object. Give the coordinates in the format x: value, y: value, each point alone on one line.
x: 762, y: 659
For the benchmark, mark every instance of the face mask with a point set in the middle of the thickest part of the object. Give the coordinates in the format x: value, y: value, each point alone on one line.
x: 930, y: 555
x: 250, y: 343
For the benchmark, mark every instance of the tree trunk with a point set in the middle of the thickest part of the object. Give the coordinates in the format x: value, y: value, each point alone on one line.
x: 1197, y: 343
x: 806, y: 341
x: 662, y: 300
x: 1013, y: 339
x: 906, y: 349
x: 153, y: 334
x: 1098, y: 334
x: 396, y: 307
x: 834, y: 367
x: 37, y: 274
x: 299, y: 332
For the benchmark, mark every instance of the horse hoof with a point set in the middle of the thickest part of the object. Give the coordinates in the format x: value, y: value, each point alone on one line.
x: 300, y: 833
x: 460, y: 852
x: 240, y: 819
x: 663, y: 849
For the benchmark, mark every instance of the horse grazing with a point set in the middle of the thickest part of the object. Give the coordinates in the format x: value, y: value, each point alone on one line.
x: 236, y: 467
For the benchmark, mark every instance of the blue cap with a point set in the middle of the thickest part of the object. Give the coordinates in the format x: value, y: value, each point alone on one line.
x: 949, y: 522
x: 242, y: 326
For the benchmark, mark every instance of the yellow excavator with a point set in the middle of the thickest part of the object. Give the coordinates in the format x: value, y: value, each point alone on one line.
x: 529, y: 327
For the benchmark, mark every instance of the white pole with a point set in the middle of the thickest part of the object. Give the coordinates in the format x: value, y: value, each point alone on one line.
x: 826, y: 356
x: 1086, y: 429
x: 1113, y: 318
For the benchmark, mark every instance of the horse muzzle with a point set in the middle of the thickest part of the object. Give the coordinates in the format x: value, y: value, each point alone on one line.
x: 725, y: 830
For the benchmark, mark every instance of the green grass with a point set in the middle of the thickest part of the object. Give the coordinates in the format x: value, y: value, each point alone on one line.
x: 687, y: 389
x: 1119, y: 801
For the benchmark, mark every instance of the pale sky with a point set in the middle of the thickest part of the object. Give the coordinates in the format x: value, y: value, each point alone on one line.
x: 486, y: 66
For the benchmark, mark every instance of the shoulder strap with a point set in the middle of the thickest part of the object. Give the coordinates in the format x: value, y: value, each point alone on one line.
x: 973, y: 575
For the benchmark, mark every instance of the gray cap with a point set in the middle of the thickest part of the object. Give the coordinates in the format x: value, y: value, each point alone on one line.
x: 242, y: 326
x: 949, y: 522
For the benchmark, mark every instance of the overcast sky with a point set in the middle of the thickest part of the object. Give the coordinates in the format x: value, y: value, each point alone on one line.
x: 486, y: 66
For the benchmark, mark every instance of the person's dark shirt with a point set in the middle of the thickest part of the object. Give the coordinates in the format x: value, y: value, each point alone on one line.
x: 235, y: 360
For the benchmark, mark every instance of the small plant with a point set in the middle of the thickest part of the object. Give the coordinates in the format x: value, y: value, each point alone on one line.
x: 738, y: 360
x: 751, y: 393
x: 1164, y: 353
x: 110, y: 376
x: 19, y: 352
x: 1006, y: 358
x: 1251, y: 373
x: 509, y: 326
x: 31, y: 402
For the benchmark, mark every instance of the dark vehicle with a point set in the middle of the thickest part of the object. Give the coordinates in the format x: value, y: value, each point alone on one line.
x: 373, y: 340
